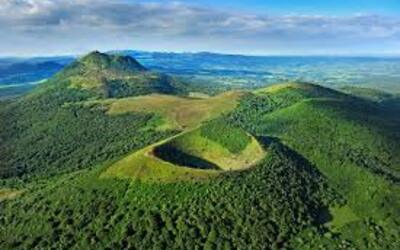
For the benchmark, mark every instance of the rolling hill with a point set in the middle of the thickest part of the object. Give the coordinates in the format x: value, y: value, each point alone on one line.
x: 71, y: 132
x: 291, y: 166
x: 354, y: 143
x: 113, y: 76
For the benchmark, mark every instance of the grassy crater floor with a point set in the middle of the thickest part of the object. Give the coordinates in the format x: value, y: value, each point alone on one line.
x: 192, y: 155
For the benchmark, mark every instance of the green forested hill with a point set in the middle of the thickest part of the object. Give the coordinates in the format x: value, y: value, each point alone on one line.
x: 113, y: 76
x: 355, y: 144
x: 43, y: 133
x: 328, y: 179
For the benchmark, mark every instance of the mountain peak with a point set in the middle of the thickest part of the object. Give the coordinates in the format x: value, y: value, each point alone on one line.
x: 98, y: 60
x: 94, y: 55
x: 113, y: 76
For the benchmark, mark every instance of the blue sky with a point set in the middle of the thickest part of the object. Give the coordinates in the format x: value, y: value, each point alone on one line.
x: 291, y: 27
x: 336, y: 7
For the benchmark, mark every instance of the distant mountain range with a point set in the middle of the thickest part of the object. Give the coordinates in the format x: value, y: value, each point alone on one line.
x: 230, y: 71
x: 20, y: 71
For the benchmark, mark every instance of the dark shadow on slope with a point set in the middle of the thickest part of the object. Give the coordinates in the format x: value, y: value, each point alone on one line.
x: 321, y: 214
x: 171, y: 154
x: 290, y: 154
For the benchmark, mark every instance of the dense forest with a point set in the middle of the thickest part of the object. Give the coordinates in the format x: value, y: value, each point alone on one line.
x: 347, y: 139
x: 66, y: 137
x: 278, y: 198
x: 329, y: 178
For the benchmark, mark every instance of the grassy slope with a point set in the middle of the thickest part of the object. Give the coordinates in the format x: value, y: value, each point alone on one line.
x: 178, y: 112
x: 142, y: 165
x: 195, y: 144
x: 342, y: 215
x: 310, y: 127
x: 353, y: 142
x: 146, y: 166
x: 298, y: 88
x: 360, y: 127
x: 283, y: 86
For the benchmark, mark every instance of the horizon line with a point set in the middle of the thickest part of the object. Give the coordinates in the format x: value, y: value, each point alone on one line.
x: 72, y: 54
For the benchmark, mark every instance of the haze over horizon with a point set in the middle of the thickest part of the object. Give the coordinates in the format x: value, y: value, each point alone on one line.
x: 306, y: 27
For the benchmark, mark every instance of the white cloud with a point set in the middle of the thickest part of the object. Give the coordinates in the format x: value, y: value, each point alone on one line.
x: 86, y: 23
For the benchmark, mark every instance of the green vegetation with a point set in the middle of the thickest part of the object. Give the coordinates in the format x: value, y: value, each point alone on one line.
x: 6, y: 193
x: 279, y: 197
x: 113, y: 76
x: 144, y: 166
x: 74, y: 137
x: 297, y: 90
x: 341, y: 216
x: 177, y: 112
x: 293, y: 166
x: 43, y: 133
x: 213, y: 153
x: 354, y: 143
x: 188, y: 156
x: 231, y: 138
x: 390, y: 101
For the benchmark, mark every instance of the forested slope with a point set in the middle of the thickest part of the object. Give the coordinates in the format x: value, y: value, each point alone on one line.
x: 354, y: 143
x: 329, y: 178
x: 254, y: 209
x: 43, y: 133
x: 113, y: 76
